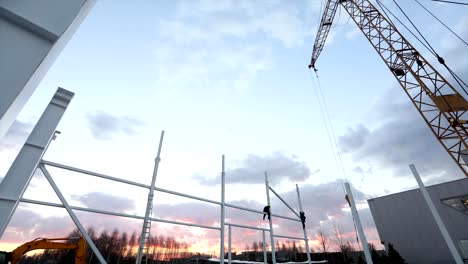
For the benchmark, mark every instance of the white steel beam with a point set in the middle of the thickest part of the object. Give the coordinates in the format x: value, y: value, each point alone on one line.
x: 289, y: 237
x: 448, y: 239
x: 272, y: 237
x: 21, y: 171
x: 285, y: 203
x: 306, y: 240
x: 91, y: 173
x: 229, y: 243
x: 248, y: 227
x: 32, y: 33
x: 105, y: 212
x: 149, y: 206
x: 362, y: 236
x: 75, y: 219
x: 265, y: 256
x: 259, y: 212
x: 221, y: 248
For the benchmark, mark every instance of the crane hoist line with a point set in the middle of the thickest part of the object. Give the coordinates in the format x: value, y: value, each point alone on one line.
x: 438, y: 102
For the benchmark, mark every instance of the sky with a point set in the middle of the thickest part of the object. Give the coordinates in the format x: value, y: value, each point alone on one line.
x: 229, y: 77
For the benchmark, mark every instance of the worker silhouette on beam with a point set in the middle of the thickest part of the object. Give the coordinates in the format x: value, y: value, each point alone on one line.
x: 266, y: 211
x: 303, y: 218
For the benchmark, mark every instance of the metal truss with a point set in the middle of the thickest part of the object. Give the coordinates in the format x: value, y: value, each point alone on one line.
x: 437, y: 101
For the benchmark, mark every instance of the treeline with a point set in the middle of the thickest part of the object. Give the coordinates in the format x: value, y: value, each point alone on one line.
x: 116, y: 247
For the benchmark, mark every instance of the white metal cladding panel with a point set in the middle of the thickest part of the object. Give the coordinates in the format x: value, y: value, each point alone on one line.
x: 53, y: 15
x: 32, y: 34
x: 21, y: 54
x: 404, y: 220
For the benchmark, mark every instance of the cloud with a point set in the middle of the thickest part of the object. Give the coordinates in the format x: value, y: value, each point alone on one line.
x: 278, y: 166
x: 224, y: 44
x: 98, y: 200
x: 17, y: 134
x: 103, y: 126
x: 399, y: 139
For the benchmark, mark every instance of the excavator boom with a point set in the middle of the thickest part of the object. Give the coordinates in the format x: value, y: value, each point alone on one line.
x: 79, y: 247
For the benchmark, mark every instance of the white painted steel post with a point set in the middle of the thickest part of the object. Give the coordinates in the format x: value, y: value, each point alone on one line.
x: 221, y: 253
x: 265, y: 256
x: 149, y: 204
x: 272, y: 238
x: 21, y: 171
x: 229, y: 244
x: 448, y: 240
x: 80, y: 227
x: 306, y: 240
x: 362, y: 236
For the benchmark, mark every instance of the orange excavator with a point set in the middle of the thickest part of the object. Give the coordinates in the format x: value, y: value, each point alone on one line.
x: 78, y: 245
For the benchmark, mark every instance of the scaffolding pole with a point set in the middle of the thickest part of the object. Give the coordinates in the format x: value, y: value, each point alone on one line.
x: 145, y: 232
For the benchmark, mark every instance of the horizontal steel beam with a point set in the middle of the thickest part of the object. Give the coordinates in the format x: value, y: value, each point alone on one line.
x: 187, y: 196
x: 289, y: 237
x: 104, y: 176
x: 260, y: 212
x: 91, y: 173
x: 248, y: 227
x: 97, y: 211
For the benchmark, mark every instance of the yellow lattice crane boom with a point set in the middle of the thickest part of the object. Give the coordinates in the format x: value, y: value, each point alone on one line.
x: 438, y: 102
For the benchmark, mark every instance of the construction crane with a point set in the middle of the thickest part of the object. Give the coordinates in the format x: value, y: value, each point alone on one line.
x: 437, y: 101
x: 46, y: 243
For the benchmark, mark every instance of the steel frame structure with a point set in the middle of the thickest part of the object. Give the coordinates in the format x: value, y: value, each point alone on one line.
x: 30, y: 162
x: 438, y: 102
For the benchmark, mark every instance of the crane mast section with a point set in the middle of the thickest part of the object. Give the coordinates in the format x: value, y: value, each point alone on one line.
x: 439, y: 104
x: 323, y: 30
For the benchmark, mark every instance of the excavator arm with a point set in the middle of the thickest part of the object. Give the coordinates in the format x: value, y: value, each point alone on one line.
x: 79, y: 247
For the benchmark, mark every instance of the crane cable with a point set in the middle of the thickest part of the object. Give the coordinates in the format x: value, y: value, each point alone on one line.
x: 451, y: 2
x: 333, y: 144
x: 327, y: 129
x: 441, y: 22
x: 440, y: 59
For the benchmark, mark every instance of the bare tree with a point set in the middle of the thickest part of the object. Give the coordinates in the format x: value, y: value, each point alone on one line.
x: 255, y: 246
x: 338, y: 238
x: 323, y: 240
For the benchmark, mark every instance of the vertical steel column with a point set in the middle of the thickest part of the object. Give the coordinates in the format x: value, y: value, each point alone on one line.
x: 149, y: 205
x: 21, y: 171
x: 229, y: 245
x: 80, y: 227
x: 221, y: 256
x: 448, y: 240
x: 272, y: 238
x: 362, y: 236
x: 265, y: 256
x: 306, y: 240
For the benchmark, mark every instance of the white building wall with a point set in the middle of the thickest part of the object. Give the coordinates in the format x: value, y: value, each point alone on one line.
x: 404, y: 219
x: 32, y: 34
